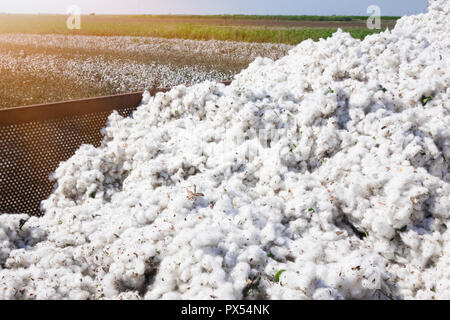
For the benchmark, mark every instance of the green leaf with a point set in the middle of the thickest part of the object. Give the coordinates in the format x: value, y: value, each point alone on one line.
x: 403, y: 229
x: 92, y: 195
x: 270, y: 255
x: 311, y: 210
x: 277, y: 276
x: 425, y: 100
x: 330, y: 90
x: 60, y: 222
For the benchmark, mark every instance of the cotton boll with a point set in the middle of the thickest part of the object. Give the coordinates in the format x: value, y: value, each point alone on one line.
x: 254, y: 255
x: 326, y: 294
x: 146, y: 97
x: 240, y: 275
x: 382, y: 228
x: 360, y: 99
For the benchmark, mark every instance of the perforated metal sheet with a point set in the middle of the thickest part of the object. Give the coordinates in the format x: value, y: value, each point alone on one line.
x: 30, y: 151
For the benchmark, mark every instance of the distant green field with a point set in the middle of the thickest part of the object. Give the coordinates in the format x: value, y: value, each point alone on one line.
x: 273, y: 29
x: 270, y: 17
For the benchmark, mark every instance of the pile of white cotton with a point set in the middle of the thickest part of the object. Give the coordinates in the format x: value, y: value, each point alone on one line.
x: 322, y: 175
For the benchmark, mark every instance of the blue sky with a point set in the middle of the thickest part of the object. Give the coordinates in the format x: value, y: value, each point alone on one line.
x: 293, y: 7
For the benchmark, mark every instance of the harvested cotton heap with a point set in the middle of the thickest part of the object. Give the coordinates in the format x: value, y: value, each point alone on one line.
x: 322, y: 175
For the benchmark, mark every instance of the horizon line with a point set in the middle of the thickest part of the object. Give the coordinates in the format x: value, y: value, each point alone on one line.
x: 195, y: 14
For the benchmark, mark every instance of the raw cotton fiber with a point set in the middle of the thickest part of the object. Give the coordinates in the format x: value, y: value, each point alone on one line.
x: 322, y: 175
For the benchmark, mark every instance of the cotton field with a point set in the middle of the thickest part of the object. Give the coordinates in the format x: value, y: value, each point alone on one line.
x: 123, y: 76
x: 241, y: 52
x: 65, y: 67
x: 321, y: 175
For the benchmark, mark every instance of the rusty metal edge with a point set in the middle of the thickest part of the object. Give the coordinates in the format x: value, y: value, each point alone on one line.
x: 57, y: 110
